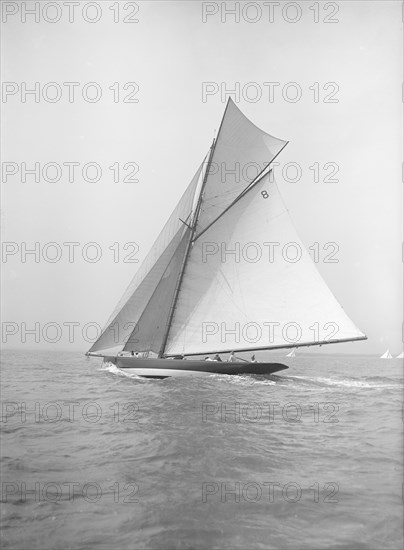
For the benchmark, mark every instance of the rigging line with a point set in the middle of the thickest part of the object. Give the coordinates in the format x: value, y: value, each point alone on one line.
x: 222, y: 202
x: 229, y: 191
x: 185, y: 223
x: 254, y: 182
x: 198, y: 187
x: 222, y: 198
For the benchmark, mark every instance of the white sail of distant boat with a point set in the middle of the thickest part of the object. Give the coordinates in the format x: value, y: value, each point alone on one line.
x: 196, y: 293
x: 291, y: 353
x: 400, y: 356
x: 386, y: 355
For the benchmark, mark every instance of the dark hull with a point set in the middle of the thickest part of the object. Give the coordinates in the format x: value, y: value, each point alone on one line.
x: 161, y: 368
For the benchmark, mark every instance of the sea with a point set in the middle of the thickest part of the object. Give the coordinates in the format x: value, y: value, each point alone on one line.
x: 96, y: 459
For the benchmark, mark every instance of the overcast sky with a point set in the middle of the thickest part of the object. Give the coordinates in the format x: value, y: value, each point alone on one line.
x: 169, y: 53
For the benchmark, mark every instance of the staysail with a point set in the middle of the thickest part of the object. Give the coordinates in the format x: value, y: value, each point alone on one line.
x: 149, y: 280
x: 228, y: 271
x: 386, y: 355
x: 149, y: 332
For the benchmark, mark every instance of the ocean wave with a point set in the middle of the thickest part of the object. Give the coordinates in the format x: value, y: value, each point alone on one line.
x: 113, y: 369
x: 244, y: 379
x: 328, y: 430
x: 376, y: 382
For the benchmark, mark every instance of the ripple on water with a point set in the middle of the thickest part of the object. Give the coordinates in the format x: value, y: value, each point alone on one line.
x: 199, y: 455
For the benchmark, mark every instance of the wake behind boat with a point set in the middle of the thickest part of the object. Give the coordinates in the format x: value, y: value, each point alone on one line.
x: 207, y: 287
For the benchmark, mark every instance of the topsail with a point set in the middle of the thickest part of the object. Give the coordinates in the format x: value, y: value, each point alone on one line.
x: 242, y: 152
x: 214, y: 280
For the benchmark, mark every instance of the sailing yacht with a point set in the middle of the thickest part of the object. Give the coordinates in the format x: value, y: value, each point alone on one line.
x: 386, y: 355
x: 200, y: 291
x: 291, y: 353
x: 400, y: 356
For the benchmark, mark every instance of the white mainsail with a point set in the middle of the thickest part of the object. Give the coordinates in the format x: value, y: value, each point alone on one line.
x: 386, y: 355
x: 291, y: 353
x: 400, y: 356
x: 243, y: 301
x: 217, y: 278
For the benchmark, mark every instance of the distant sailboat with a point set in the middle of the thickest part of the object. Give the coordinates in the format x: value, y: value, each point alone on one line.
x: 184, y: 301
x: 291, y: 353
x: 386, y: 355
x: 401, y: 356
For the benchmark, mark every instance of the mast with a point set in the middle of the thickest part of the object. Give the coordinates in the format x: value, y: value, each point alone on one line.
x: 191, y: 238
